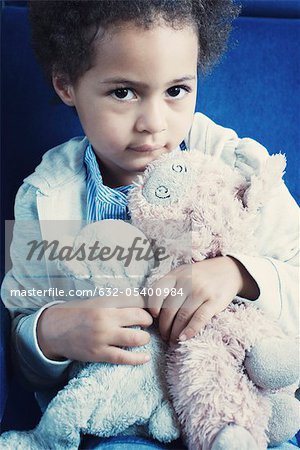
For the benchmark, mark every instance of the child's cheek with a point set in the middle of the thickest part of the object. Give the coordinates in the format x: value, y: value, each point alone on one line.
x: 115, y: 134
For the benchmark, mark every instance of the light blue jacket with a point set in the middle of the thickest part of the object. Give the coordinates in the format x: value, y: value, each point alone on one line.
x: 55, y: 196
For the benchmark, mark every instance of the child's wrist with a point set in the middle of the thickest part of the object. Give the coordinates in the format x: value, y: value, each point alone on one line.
x: 247, y: 286
x: 46, y: 332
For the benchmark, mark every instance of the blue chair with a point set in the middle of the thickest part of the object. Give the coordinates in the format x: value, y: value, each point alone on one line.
x: 253, y: 90
x: 32, y: 122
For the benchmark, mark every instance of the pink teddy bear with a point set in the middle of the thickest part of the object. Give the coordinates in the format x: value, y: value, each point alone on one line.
x: 232, y: 386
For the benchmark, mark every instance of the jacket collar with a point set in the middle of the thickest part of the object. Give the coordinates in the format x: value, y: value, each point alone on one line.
x: 60, y: 166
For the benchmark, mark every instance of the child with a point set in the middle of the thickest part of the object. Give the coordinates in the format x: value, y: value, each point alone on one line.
x: 130, y: 70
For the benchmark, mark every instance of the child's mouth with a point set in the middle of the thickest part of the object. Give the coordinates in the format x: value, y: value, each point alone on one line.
x: 146, y: 148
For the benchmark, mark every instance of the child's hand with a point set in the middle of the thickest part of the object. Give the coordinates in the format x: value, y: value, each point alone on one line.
x: 84, y: 331
x: 207, y: 286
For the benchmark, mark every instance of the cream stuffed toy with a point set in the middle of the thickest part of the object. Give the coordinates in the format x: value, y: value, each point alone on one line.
x: 241, y: 370
x: 232, y: 385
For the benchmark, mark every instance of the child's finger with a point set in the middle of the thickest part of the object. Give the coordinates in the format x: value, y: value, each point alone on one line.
x: 128, y: 317
x: 119, y: 301
x: 160, y: 291
x: 115, y: 355
x: 183, y: 317
x: 169, y: 311
x: 200, y: 318
x: 129, y: 337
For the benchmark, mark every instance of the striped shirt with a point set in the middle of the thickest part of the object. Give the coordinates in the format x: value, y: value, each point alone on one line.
x: 104, y: 202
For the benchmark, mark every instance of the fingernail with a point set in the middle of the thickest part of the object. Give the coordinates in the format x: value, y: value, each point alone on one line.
x: 182, y: 337
x: 147, y: 358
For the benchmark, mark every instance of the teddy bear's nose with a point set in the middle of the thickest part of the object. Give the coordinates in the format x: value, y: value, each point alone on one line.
x: 162, y: 192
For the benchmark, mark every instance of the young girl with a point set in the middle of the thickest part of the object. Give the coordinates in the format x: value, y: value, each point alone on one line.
x: 129, y: 68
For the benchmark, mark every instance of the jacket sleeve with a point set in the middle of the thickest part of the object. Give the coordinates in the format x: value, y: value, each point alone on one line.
x: 276, y: 269
x: 276, y: 272
x: 24, y: 293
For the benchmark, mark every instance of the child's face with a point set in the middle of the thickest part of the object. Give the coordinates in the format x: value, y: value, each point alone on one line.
x: 138, y: 99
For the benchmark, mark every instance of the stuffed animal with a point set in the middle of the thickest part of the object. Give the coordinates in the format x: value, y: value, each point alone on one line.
x: 233, y: 385
x: 225, y: 381
x: 105, y: 399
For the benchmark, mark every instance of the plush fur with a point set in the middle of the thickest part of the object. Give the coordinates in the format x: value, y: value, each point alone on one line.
x: 106, y: 399
x: 198, y: 207
x: 195, y: 207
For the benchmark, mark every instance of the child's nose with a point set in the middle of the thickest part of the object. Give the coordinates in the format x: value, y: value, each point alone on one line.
x: 151, y: 117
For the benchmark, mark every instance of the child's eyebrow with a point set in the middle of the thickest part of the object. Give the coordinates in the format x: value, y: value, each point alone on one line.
x: 115, y: 80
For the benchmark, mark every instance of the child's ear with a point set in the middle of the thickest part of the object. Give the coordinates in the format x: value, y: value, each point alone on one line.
x: 63, y: 89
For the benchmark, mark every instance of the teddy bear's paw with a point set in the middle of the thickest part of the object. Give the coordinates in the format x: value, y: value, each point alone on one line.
x: 234, y: 437
x: 284, y: 422
x: 273, y: 363
x: 19, y: 440
x: 163, y: 424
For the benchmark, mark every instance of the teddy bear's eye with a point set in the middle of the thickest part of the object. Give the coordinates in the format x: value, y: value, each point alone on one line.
x: 162, y: 192
x: 179, y: 168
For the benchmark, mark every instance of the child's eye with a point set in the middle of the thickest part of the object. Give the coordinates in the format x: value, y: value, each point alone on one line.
x: 178, y: 91
x: 123, y: 94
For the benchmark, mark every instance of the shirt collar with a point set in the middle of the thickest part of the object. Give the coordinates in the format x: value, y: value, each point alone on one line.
x: 117, y: 196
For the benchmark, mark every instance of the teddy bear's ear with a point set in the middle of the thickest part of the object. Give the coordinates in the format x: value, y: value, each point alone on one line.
x: 75, y: 269
x: 265, y: 182
x: 69, y: 260
x: 276, y: 165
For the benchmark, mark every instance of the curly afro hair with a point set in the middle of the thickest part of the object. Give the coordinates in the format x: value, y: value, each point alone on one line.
x: 63, y: 32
